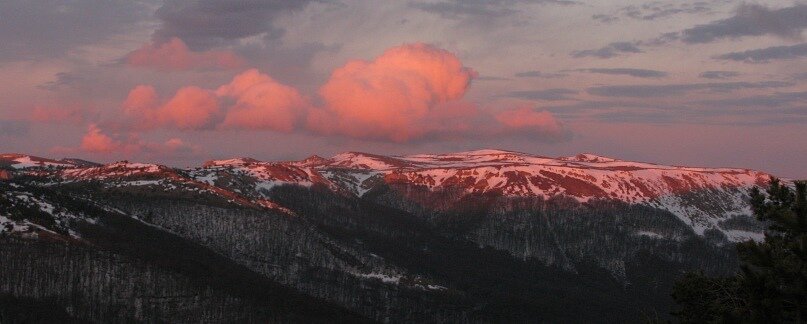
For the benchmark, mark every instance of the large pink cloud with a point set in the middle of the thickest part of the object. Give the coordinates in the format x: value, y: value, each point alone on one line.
x: 174, y: 55
x: 410, y: 92
x: 258, y: 102
x: 262, y: 103
x: 391, y: 96
x: 190, y: 108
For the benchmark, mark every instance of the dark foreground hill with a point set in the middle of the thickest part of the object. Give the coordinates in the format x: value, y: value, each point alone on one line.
x: 482, y: 236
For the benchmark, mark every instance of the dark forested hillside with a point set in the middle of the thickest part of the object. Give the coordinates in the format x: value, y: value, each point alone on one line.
x: 144, y: 243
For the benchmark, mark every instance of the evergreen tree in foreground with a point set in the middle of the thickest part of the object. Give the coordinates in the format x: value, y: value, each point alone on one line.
x: 772, y: 284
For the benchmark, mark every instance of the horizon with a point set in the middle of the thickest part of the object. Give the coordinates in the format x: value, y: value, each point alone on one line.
x: 693, y: 83
x: 201, y: 163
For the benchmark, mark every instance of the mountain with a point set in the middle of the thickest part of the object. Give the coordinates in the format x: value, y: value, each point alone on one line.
x: 584, y: 177
x: 477, y: 236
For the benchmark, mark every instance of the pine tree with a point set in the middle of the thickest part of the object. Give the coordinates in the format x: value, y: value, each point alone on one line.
x: 771, y: 286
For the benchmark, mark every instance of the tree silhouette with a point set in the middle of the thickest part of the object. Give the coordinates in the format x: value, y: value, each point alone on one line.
x: 771, y: 286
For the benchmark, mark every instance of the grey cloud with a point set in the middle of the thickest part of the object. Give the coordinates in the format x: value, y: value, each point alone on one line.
x: 650, y: 91
x: 31, y: 30
x: 764, y: 55
x: 639, y: 73
x: 288, y: 64
x: 608, y: 51
x: 653, y: 11
x: 207, y: 23
x: 13, y: 128
x: 640, y: 116
x: 719, y: 74
x: 752, y: 20
x: 658, y: 10
x: 62, y: 79
x: 547, y: 94
x: 761, y: 109
x: 591, y: 105
x: 662, y: 39
x: 539, y: 74
x: 454, y: 9
x: 778, y: 99
x: 490, y: 78
x: 604, y: 18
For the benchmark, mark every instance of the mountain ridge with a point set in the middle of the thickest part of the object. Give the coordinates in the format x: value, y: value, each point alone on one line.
x: 583, y: 177
x: 411, y: 227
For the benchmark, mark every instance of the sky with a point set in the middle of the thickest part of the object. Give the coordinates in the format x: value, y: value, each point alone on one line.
x: 703, y: 83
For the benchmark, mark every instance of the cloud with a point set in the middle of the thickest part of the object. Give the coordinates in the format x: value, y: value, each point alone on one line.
x: 719, y: 74
x: 604, y: 18
x: 62, y: 79
x: 752, y: 20
x: 777, y: 99
x: 204, y: 24
x: 545, y: 94
x: 454, y: 9
x: 649, y: 91
x: 490, y: 78
x: 262, y: 103
x: 657, y: 10
x: 765, y: 55
x: 32, y: 30
x: 609, y: 51
x: 251, y: 100
x: 96, y: 141
x: 174, y: 55
x: 408, y: 93
x: 391, y: 96
x: 539, y: 74
x: 526, y: 118
x: 190, y: 108
x: 639, y: 73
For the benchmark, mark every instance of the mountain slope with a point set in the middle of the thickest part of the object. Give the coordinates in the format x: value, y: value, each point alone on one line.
x: 425, y: 237
x: 701, y: 197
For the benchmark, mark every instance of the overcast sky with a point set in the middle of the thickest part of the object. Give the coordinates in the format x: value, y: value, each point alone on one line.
x: 702, y: 83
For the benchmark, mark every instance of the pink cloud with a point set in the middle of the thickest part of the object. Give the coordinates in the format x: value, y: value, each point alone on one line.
x: 190, y: 108
x: 410, y: 92
x: 171, y: 147
x: 529, y: 119
x: 142, y: 104
x: 391, y: 96
x: 174, y: 55
x: 98, y: 142
x: 261, y: 103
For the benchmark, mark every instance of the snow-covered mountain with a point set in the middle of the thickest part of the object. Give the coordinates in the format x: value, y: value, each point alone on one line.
x: 383, y: 236
x: 701, y: 197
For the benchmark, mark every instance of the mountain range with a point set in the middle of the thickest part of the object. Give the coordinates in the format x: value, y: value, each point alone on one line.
x: 478, y: 236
